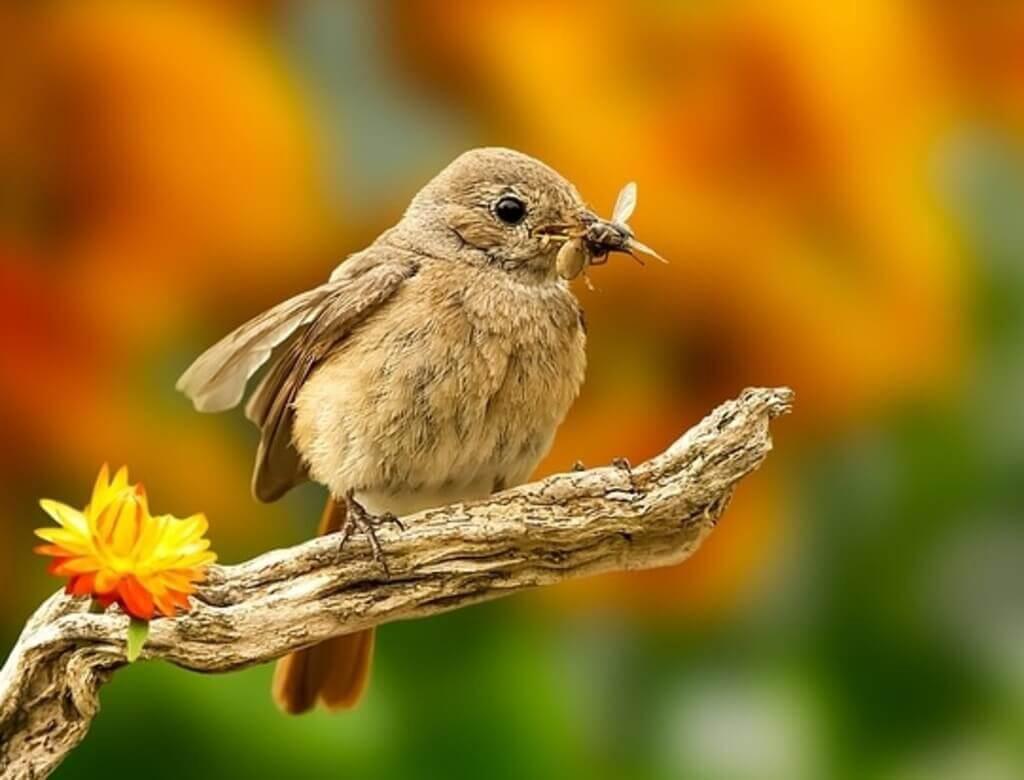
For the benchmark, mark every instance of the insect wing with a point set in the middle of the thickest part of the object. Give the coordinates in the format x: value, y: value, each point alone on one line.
x: 636, y: 246
x: 625, y: 204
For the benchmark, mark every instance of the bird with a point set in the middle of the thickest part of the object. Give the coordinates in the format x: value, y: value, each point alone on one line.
x: 432, y: 367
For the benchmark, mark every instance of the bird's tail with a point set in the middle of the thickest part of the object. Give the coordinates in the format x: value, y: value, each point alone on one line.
x: 334, y: 672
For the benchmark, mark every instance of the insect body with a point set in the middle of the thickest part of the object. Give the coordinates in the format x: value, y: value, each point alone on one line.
x: 592, y: 245
x: 572, y: 258
x: 616, y: 235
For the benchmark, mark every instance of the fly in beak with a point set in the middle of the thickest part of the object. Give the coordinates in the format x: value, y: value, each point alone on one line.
x: 604, y: 236
x: 591, y: 239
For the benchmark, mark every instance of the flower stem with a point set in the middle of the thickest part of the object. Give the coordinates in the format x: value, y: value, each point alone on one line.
x: 138, y: 631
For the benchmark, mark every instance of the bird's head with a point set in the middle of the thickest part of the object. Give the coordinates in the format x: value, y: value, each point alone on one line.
x: 510, y: 211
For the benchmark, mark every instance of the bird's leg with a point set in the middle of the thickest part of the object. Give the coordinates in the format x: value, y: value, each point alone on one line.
x: 357, y: 518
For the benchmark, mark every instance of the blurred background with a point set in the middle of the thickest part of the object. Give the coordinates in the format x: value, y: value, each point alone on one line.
x: 839, y: 187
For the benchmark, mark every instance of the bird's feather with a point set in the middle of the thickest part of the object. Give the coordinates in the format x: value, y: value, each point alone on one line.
x: 349, y: 300
x: 304, y: 330
x: 334, y: 672
x: 216, y: 380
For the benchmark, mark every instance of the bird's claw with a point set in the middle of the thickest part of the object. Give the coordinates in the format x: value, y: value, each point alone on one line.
x: 357, y: 518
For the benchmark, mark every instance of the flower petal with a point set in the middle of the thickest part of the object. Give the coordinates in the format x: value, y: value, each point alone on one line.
x: 81, y: 585
x: 187, y: 529
x: 149, y: 538
x: 50, y: 549
x: 71, y: 541
x: 165, y: 604
x: 102, y: 484
x: 176, y: 580
x: 126, y: 528
x: 136, y: 600
x: 65, y: 516
x: 181, y: 600
x: 120, y: 481
x: 106, y: 581
x: 80, y: 565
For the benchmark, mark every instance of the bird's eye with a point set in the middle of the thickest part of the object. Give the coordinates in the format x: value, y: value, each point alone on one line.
x: 510, y: 210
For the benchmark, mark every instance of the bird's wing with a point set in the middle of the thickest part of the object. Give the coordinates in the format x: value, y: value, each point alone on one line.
x: 216, y: 380
x: 306, y: 328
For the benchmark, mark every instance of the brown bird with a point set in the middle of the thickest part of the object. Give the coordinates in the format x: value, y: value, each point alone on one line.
x: 433, y: 367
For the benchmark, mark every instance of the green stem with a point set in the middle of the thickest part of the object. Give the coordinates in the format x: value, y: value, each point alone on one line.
x: 138, y: 631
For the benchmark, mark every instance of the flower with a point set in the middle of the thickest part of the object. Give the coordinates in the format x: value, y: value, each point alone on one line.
x: 117, y: 552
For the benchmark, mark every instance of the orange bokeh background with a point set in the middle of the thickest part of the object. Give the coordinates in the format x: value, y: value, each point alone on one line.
x: 169, y: 169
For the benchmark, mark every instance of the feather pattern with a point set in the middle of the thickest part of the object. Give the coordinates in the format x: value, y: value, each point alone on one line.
x: 303, y: 331
x: 349, y: 301
x: 216, y: 380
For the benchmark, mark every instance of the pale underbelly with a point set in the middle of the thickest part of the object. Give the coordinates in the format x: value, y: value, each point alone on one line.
x: 407, y: 503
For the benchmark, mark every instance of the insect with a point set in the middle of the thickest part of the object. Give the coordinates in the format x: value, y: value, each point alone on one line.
x: 572, y: 258
x: 599, y: 238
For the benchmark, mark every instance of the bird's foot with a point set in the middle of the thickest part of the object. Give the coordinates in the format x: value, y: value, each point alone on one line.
x: 358, y: 519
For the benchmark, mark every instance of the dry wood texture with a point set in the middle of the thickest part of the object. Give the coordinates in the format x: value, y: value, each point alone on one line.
x: 569, y: 525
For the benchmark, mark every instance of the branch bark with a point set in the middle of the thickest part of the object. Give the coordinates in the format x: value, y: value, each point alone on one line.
x: 566, y: 526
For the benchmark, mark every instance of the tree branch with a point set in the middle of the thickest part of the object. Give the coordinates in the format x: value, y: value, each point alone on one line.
x: 566, y: 526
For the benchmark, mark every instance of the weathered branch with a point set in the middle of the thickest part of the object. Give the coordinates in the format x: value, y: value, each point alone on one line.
x: 568, y: 525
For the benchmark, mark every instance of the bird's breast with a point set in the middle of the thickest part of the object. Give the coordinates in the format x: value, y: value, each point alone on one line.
x: 453, y: 389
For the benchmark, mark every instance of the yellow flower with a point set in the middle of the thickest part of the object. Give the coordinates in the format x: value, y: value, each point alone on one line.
x: 117, y: 552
